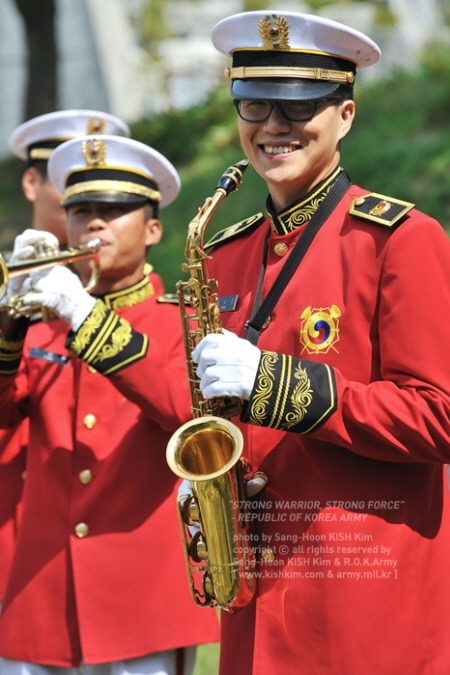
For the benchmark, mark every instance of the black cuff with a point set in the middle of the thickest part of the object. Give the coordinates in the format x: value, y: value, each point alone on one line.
x: 10, y: 355
x: 291, y: 394
x: 107, y: 342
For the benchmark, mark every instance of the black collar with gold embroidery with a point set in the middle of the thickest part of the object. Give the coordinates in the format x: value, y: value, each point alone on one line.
x: 127, y: 297
x: 303, y: 210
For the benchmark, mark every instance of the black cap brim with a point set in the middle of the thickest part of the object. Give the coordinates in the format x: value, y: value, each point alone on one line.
x: 105, y: 197
x: 278, y: 89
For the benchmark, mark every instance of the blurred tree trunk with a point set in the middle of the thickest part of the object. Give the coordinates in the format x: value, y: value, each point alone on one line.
x: 41, y: 85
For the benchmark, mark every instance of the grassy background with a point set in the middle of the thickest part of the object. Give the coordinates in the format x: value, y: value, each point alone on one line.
x: 207, y: 660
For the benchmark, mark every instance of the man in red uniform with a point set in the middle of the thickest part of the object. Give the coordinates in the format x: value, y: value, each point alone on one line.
x: 98, y: 582
x: 33, y: 142
x: 344, y: 376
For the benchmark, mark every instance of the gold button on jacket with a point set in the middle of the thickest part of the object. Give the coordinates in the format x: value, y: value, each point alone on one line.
x: 81, y: 530
x: 89, y: 421
x: 280, y: 249
x: 85, y: 476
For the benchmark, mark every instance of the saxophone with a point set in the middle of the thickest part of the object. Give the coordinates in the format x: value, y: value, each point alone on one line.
x: 207, y: 450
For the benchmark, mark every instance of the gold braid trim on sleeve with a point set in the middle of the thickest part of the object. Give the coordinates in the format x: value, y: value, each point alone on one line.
x: 291, y: 394
x: 10, y: 355
x: 285, y: 368
x: 108, y: 342
x: 120, y: 338
x: 263, y: 388
x: 89, y: 328
x: 301, y: 398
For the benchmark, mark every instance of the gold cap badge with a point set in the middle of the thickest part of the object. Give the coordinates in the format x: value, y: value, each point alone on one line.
x: 274, y: 31
x: 94, y: 152
x: 95, y: 125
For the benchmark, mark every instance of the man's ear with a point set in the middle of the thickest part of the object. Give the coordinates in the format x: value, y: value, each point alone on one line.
x: 31, y: 182
x: 154, y: 231
x: 347, y: 109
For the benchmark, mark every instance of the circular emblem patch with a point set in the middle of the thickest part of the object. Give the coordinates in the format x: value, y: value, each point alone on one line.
x: 319, y: 329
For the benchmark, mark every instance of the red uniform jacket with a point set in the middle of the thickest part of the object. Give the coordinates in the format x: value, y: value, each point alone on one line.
x: 352, y: 531
x: 98, y: 574
x: 12, y: 474
x: 13, y: 443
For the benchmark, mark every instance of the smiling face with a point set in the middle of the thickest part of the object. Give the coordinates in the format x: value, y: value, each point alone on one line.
x: 293, y: 157
x: 125, y: 232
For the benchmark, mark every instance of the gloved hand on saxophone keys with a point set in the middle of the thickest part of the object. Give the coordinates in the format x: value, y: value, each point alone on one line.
x: 227, y: 365
x: 60, y: 290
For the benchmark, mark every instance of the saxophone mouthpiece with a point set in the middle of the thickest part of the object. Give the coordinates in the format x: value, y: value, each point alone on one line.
x: 232, y: 177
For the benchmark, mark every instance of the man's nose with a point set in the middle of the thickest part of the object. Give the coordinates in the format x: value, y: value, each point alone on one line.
x: 276, y: 119
x: 96, y: 220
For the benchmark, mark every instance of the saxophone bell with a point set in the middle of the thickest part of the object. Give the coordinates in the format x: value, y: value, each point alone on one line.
x: 207, y: 452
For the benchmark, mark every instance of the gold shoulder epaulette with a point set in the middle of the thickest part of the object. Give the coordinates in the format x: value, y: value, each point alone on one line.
x: 236, y: 230
x: 380, y: 209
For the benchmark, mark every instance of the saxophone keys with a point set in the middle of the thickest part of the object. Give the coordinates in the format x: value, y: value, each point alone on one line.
x: 197, y: 549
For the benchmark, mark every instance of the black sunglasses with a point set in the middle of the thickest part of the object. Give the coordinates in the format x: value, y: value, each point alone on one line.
x: 258, y: 110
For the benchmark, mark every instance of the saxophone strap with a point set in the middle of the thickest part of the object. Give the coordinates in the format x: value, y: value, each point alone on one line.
x: 262, y: 309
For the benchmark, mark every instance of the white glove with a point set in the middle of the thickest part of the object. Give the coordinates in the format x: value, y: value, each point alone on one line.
x: 28, y: 245
x: 255, y: 484
x: 227, y: 365
x: 32, y: 244
x: 60, y: 290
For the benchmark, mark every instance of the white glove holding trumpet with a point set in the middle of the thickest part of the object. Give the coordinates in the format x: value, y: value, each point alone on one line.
x: 56, y: 288
x: 27, y: 246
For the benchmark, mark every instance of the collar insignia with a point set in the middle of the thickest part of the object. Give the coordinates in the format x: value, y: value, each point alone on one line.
x: 128, y: 297
x: 303, y: 210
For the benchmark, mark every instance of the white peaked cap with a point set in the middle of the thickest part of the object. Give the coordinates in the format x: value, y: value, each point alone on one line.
x: 108, y: 168
x: 270, y: 48
x: 38, y: 137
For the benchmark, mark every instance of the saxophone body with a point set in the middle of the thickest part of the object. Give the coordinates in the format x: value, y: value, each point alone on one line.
x: 207, y: 450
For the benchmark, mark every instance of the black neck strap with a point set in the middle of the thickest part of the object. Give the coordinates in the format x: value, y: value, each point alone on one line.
x: 261, y: 310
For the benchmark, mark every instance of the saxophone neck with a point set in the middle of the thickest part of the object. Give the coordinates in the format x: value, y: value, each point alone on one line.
x: 228, y: 182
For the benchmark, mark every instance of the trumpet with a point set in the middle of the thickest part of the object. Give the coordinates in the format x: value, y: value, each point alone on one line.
x: 44, y: 260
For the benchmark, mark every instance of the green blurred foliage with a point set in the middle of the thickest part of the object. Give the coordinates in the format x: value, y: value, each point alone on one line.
x: 151, y: 25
